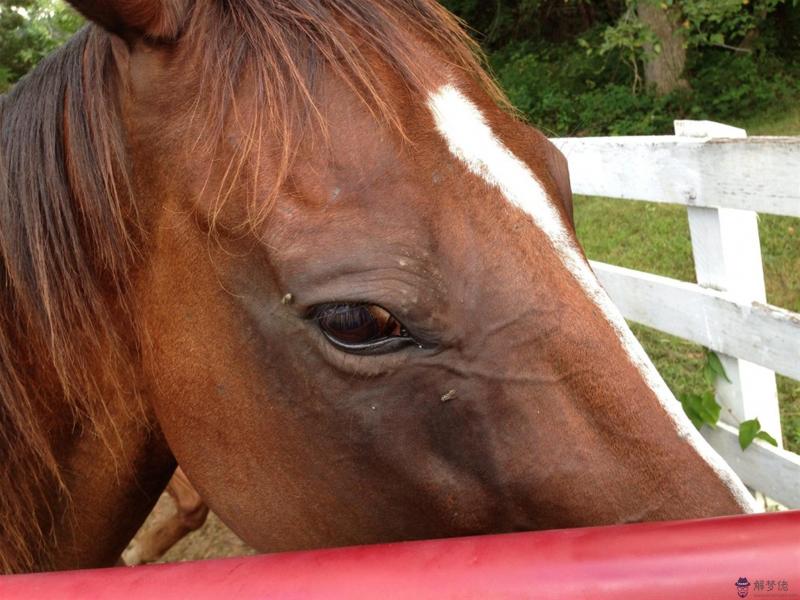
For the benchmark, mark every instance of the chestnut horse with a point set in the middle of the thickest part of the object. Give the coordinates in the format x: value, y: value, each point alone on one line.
x: 305, y: 249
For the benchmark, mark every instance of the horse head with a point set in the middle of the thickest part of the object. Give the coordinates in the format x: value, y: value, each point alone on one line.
x: 362, y: 311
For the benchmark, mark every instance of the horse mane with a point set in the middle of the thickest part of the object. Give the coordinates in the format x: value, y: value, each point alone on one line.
x: 66, y: 240
x: 69, y: 229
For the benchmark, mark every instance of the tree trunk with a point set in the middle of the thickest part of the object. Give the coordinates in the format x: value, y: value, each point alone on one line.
x: 664, y: 69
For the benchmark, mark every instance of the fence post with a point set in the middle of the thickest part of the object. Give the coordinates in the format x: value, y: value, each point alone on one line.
x: 727, y: 257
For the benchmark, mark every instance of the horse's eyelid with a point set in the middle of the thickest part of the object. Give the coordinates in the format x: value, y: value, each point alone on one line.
x: 382, y: 346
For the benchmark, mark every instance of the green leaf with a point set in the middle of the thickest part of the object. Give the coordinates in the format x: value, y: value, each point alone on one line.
x: 747, y: 432
x: 708, y: 373
x: 763, y: 435
x: 717, y: 38
x: 750, y: 430
x: 702, y: 409
x: 710, y: 409
x: 713, y: 368
x: 688, y: 402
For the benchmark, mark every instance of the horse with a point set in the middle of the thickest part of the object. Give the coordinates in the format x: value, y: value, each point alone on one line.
x: 306, y: 249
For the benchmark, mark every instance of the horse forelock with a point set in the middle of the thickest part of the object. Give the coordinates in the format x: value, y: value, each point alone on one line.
x: 282, y: 49
x: 69, y: 228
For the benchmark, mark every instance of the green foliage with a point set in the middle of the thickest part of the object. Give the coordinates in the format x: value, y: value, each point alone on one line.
x: 713, y: 369
x: 724, y: 22
x: 565, y: 90
x: 577, y: 89
x: 29, y: 30
x: 571, y: 66
x: 702, y: 409
x: 733, y: 85
x: 630, y: 38
x: 500, y: 22
x: 751, y: 430
x: 733, y: 24
x: 559, y: 89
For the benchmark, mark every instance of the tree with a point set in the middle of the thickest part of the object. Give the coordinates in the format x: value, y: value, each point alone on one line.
x: 658, y: 34
x: 665, y: 57
x: 30, y: 30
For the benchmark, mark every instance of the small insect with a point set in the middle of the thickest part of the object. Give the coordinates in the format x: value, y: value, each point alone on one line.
x: 448, y: 396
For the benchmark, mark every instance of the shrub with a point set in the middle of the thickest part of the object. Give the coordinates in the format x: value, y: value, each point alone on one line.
x: 565, y: 90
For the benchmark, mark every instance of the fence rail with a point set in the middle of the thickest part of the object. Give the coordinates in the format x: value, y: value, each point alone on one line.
x: 760, y: 174
x: 647, y: 561
x: 763, y: 334
x: 761, y: 466
x: 724, y: 178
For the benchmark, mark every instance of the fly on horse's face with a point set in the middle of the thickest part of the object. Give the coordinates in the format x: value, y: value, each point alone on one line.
x: 409, y: 343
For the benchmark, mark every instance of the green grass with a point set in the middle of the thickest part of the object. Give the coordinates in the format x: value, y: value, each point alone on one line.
x: 784, y: 122
x: 655, y: 238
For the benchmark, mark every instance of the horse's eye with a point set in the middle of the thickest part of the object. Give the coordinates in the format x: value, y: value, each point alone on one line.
x: 361, y: 328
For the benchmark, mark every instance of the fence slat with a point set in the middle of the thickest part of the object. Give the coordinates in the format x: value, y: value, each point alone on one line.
x: 760, y: 333
x: 757, y: 173
x: 772, y: 471
x: 727, y: 257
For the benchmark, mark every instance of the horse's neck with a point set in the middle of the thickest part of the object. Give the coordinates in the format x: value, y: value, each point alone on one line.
x: 109, y: 496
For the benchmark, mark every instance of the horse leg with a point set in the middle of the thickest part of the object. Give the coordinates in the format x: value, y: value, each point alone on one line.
x: 187, y: 514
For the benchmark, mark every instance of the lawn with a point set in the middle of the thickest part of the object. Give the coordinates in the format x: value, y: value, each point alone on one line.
x: 655, y: 238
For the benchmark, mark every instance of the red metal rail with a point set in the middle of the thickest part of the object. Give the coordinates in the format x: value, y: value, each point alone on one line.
x: 680, y: 560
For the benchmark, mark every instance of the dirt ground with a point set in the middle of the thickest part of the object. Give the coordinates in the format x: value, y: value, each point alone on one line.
x: 213, y: 540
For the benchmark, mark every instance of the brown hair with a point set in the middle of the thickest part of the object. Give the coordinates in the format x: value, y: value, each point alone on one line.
x: 66, y: 239
x: 68, y: 225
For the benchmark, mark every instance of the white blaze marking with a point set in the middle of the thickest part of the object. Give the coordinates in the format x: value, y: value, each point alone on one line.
x: 471, y: 139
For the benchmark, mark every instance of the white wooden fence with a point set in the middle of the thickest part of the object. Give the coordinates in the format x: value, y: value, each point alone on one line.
x: 725, y: 179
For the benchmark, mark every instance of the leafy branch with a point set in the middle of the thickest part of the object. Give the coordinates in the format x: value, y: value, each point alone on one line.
x: 703, y: 409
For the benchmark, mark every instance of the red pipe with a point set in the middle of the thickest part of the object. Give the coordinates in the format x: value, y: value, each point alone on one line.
x: 681, y: 560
